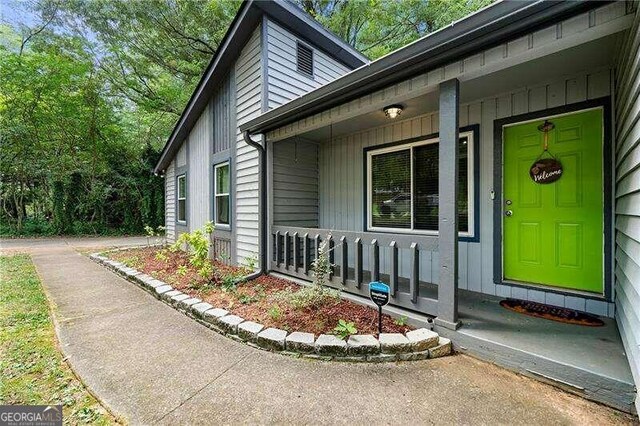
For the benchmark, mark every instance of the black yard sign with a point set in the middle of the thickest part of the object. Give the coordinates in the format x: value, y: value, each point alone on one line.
x: 379, y: 294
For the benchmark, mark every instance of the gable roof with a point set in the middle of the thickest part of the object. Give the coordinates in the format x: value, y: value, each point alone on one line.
x: 486, y: 28
x: 239, y: 32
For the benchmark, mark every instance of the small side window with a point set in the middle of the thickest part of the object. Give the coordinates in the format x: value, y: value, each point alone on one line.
x: 222, y: 185
x: 305, y: 60
x: 182, y: 198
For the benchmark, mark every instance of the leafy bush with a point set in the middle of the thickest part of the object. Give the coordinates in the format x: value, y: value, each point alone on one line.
x: 198, y: 243
x: 275, y: 313
x: 401, y: 321
x: 344, y: 329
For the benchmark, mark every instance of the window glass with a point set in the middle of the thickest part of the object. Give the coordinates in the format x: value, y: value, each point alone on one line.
x: 222, y: 186
x: 182, y: 198
x: 401, y: 200
x: 391, y: 189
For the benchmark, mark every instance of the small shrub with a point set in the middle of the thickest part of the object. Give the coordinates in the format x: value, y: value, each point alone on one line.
x: 344, y: 329
x: 310, y: 296
x: 198, y: 242
x: 162, y: 256
x: 275, y: 313
x: 402, y: 321
x: 250, y: 263
x: 182, y: 270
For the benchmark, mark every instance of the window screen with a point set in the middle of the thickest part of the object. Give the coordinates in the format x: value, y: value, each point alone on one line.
x: 403, y: 191
x: 305, y: 60
x: 182, y: 198
x: 222, y: 185
x: 391, y: 190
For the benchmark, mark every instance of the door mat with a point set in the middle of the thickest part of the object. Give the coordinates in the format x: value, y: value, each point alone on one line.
x: 554, y: 313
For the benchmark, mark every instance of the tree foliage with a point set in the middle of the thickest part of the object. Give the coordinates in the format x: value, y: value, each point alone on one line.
x: 91, y: 89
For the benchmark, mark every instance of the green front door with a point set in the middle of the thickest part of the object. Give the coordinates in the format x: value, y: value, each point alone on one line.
x: 553, y: 233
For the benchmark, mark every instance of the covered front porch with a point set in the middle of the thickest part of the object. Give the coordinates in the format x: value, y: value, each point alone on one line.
x: 440, y: 247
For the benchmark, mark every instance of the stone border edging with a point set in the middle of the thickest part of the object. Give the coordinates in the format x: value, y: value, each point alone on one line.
x: 414, y: 345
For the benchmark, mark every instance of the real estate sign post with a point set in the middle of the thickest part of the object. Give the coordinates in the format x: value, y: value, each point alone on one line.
x: 379, y: 294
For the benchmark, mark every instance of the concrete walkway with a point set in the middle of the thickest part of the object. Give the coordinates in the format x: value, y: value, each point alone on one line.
x: 151, y: 364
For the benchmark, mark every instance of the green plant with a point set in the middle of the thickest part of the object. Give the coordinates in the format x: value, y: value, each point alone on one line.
x: 162, y: 256
x: 182, y: 270
x: 275, y: 313
x: 400, y: 321
x: 246, y: 299
x: 198, y: 243
x: 344, y: 329
x: 250, y: 263
x: 321, y: 265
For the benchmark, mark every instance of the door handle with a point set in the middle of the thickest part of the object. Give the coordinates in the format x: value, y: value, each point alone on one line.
x: 508, y: 213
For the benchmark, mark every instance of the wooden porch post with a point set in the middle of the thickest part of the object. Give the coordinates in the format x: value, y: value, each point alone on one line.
x: 448, y: 206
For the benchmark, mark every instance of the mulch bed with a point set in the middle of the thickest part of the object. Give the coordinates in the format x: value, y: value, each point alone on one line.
x: 255, y: 300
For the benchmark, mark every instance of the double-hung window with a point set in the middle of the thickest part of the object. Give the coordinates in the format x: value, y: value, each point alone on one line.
x: 182, y: 198
x: 221, y: 187
x: 402, y: 187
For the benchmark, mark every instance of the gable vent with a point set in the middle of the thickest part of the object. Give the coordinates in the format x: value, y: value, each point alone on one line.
x: 305, y: 60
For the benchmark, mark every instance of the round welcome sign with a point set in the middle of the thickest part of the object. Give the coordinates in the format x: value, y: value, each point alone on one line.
x: 545, y: 170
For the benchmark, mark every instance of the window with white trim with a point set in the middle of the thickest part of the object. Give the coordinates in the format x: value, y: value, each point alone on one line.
x: 402, y: 187
x: 182, y: 198
x: 221, y: 185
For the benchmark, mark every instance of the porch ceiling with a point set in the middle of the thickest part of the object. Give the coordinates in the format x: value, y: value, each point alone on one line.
x: 597, y: 54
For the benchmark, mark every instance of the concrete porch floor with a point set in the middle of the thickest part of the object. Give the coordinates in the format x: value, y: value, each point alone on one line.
x: 589, y: 361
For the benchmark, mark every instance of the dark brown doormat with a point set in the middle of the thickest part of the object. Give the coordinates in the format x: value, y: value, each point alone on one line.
x: 553, y: 313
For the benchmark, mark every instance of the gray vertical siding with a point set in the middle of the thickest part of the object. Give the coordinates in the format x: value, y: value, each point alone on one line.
x: 341, y: 179
x: 199, y: 166
x: 222, y: 111
x: 627, y: 125
x: 285, y: 82
x: 170, y: 201
x: 295, y: 183
x: 248, y: 77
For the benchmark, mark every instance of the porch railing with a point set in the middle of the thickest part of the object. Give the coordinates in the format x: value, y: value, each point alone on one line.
x: 406, y: 262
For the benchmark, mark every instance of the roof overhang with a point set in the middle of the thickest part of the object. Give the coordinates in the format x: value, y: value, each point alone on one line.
x: 487, y: 28
x: 240, y: 30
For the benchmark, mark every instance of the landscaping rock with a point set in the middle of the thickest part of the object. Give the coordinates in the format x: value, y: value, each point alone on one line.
x: 200, y: 308
x: 413, y: 356
x: 381, y: 358
x: 213, y: 316
x: 422, y: 339
x: 443, y: 348
x: 300, y: 342
x: 179, y: 298
x: 163, y: 289
x: 328, y: 344
x: 363, y: 344
x: 168, y: 295
x: 394, y: 343
x: 229, y: 323
x: 186, y: 304
x: 142, y: 279
x: 249, y: 330
x: 272, y: 339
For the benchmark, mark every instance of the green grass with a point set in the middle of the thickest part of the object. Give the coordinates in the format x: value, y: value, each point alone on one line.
x: 32, y: 370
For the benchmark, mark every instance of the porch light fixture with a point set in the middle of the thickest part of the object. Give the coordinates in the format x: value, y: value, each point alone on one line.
x: 392, y: 111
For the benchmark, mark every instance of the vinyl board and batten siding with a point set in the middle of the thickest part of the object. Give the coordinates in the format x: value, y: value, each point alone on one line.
x: 341, y: 179
x: 627, y: 125
x: 248, y: 79
x: 199, y: 169
x: 222, y: 111
x: 295, y: 183
x: 284, y: 81
x: 170, y: 201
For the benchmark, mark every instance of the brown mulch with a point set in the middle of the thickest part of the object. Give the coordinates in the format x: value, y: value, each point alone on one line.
x: 255, y: 300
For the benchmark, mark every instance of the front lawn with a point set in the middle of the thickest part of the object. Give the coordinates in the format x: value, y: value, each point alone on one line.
x: 271, y: 301
x: 32, y: 369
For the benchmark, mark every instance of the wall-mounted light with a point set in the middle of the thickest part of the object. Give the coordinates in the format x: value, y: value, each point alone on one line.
x: 392, y: 111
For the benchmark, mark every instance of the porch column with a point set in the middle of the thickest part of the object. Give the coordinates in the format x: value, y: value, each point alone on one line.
x: 448, y: 206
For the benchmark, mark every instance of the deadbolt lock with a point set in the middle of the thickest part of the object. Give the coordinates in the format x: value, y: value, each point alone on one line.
x: 508, y: 202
